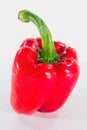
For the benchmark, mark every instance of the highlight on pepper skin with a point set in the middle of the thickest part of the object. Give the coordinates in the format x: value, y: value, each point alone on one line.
x: 44, y: 72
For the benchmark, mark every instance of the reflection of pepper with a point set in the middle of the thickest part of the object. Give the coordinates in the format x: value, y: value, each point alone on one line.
x: 44, y: 72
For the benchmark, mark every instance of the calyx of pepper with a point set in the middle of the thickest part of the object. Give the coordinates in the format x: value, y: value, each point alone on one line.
x: 47, y: 53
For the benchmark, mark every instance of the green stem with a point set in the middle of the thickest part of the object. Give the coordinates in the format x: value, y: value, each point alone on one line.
x: 47, y: 53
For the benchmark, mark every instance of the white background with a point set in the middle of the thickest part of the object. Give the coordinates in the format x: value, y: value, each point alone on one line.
x: 67, y: 20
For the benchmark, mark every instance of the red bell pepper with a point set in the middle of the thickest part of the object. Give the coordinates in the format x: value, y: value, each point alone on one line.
x: 44, y: 72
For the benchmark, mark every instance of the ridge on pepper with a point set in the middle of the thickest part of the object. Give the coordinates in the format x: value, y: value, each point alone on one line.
x: 44, y: 71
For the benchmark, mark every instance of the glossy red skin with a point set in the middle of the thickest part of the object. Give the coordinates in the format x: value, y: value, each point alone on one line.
x: 42, y: 86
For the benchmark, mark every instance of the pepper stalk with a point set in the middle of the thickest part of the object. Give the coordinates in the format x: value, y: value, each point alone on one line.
x: 47, y: 53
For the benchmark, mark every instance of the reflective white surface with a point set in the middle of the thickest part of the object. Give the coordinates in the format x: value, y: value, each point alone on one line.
x: 72, y: 116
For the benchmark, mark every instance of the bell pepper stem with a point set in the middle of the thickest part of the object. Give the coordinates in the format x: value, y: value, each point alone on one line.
x: 47, y: 53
